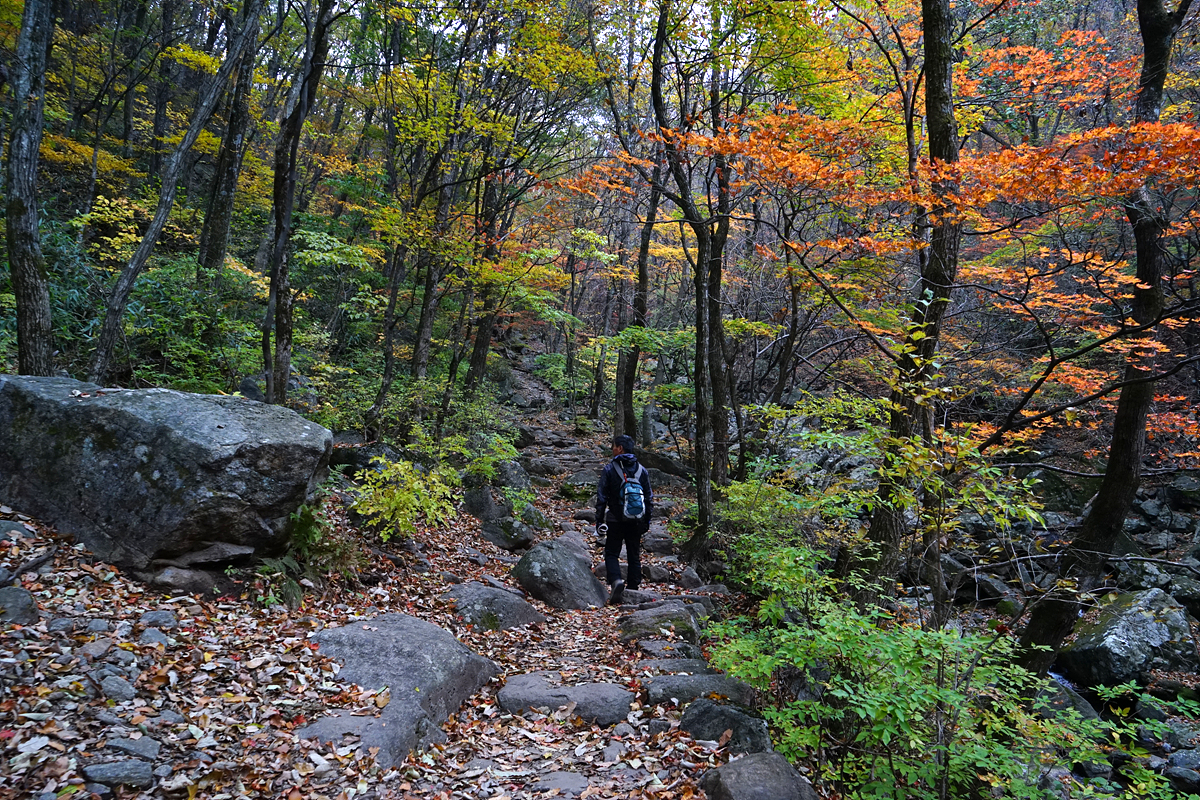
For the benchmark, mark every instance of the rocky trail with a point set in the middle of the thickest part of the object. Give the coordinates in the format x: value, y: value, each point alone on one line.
x: 114, y: 689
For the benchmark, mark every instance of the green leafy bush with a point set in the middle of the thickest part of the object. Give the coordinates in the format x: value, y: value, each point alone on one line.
x: 396, y: 495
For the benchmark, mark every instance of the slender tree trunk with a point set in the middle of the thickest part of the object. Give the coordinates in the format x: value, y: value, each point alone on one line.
x: 214, y: 237
x: 626, y: 421
x: 1053, y: 617
x: 286, y: 169
x: 372, y: 415
x: 119, y: 297
x: 880, y: 564
x: 35, y: 340
x: 162, y: 92
x: 677, y: 164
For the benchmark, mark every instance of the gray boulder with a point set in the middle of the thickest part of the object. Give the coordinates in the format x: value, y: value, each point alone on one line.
x: 1184, y: 493
x: 704, y: 719
x: 684, y: 689
x: 603, y: 703
x: 559, y: 573
x: 429, y: 674
x: 508, y: 533
x: 17, y: 606
x: 662, y: 648
x: 671, y: 615
x: 1186, y: 591
x: 674, y: 666
x: 580, y: 485
x: 758, y: 776
x: 490, y: 608
x: 1135, y: 634
x: 152, y: 473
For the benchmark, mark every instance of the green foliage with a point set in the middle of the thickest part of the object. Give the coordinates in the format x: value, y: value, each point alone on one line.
x: 396, y: 495
x: 877, y: 704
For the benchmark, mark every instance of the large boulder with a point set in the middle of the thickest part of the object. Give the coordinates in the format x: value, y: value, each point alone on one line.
x: 759, y: 776
x: 684, y: 619
x: 508, y: 533
x: 559, y: 573
x: 491, y: 608
x: 147, y: 474
x: 429, y: 674
x: 603, y: 703
x: 1134, y: 634
x: 705, y: 719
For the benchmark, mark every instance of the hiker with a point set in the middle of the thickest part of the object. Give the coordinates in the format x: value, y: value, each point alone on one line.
x: 624, y: 491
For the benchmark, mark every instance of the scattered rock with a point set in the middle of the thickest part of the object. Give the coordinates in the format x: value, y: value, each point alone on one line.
x: 190, y: 581
x: 145, y: 747
x: 162, y: 619
x: 491, y: 608
x: 671, y: 615
x: 580, y: 485
x: 662, y: 648
x: 559, y: 573
x: 566, y: 784
x: 686, y: 688
x: 145, y: 474
x: 704, y: 719
x: 603, y: 703
x: 758, y: 776
x: 133, y: 772
x: 674, y: 666
x: 508, y: 533
x: 17, y: 606
x: 428, y: 671
x: 117, y: 688
x: 1134, y: 634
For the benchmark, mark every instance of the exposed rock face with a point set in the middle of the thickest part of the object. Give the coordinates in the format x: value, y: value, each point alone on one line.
x: 149, y: 474
x: 686, y: 688
x: 1134, y: 634
x: 559, y: 573
x: 429, y: 674
x: 671, y: 615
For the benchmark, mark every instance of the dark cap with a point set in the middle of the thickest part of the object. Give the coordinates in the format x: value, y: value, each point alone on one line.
x: 623, y: 442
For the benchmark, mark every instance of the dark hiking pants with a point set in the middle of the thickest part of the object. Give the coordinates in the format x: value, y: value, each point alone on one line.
x: 631, y: 537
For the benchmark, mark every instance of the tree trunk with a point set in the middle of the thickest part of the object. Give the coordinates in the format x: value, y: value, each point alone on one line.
x: 676, y: 161
x: 35, y: 340
x: 162, y: 92
x: 117, y: 301
x: 214, y: 237
x: 283, y: 194
x: 880, y: 563
x: 1053, y: 617
x: 626, y: 420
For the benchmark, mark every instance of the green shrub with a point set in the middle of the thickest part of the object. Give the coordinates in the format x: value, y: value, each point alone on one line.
x: 396, y: 495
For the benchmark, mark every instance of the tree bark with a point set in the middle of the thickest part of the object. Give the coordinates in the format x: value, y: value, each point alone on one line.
x: 162, y: 92
x: 1053, y: 617
x: 677, y: 164
x: 35, y: 340
x: 119, y: 297
x: 625, y: 421
x: 879, y: 563
x: 283, y: 194
x: 214, y: 237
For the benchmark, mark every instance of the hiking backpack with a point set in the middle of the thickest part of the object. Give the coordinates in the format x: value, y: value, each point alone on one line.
x: 633, y: 495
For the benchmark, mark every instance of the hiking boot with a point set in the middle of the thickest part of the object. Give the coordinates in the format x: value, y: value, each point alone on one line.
x: 617, y: 593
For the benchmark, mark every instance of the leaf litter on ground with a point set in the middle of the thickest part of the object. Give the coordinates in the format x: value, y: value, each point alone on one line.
x: 223, y: 693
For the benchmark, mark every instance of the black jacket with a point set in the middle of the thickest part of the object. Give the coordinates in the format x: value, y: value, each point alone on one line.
x: 608, y: 492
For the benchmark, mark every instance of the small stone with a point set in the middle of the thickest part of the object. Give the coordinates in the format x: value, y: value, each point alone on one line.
x: 17, y: 606
x: 97, y: 626
x: 116, y: 773
x: 153, y: 636
x: 98, y: 789
x: 172, y: 717
x: 144, y: 747
x: 658, y: 726
x: 6, y: 577
x: 60, y: 625
x: 163, y: 770
x: 162, y: 619
x: 95, y: 649
x: 117, y: 688
x: 612, y: 753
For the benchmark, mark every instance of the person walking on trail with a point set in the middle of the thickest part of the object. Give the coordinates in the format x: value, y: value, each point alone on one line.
x: 624, y: 503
